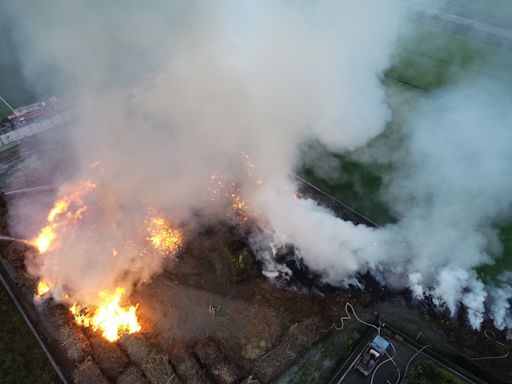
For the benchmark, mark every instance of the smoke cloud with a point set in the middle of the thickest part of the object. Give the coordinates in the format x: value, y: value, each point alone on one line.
x: 241, y: 78
x: 450, y: 191
x: 173, y: 93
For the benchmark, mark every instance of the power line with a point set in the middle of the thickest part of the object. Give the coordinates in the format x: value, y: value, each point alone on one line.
x: 7, y: 104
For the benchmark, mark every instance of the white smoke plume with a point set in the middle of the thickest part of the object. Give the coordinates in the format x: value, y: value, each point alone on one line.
x: 253, y: 77
x: 450, y: 192
x: 172, y: 93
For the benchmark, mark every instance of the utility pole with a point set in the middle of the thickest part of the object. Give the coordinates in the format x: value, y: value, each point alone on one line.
x: 7, y: 104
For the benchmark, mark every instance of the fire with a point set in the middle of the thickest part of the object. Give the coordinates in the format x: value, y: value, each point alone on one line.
x: 162, y: 235
x: 59, y: 207
x: 110, y: 318
x: 230, y: 191
x: 66, y: 209
x: 42, y: 288
x: 45, y: 239
x: 239, y: 203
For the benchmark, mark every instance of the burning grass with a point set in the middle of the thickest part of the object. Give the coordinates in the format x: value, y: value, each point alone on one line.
x: 162, y: 235
x: 110, y: 318
x: 42, y: 288
x: 66, y: 210
x: 77, y: 209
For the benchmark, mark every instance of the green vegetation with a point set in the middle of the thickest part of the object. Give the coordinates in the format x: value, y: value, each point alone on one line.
x: 13, y: 89
x: 12, y: 83
x: 358, y: 186
x: 496, y: 10
x: 429, y: 373
x: 422, y: 72
x: 491, y: 272
x: 429, y: 60
x: 4, y: 111
x: 22, y: 361
x: 241, y: 262
x: 433, y: 58
x: 317, y: 366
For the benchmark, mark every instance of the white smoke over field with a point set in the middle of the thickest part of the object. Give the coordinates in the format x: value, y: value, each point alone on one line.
x: 209, y: 84
x: 450, y: 191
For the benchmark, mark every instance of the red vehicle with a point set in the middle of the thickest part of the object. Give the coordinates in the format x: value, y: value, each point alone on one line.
x: 32, y: 112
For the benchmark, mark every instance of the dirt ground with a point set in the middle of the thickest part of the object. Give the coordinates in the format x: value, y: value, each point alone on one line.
x: 199, y: 297
x: 203, y: 321
x: 211, y: 317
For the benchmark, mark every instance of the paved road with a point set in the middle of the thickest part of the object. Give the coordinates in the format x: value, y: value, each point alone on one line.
x: 346, y: 366
x: 405, y: 349
x: 387, y: 371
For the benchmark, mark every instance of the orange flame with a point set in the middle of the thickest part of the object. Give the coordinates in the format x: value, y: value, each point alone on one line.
x: 66, y: 209
x: 231, y: 193
x: 42, y: 288
x: 45, y: 239
x: 110, y: 318
x: 162, y: 236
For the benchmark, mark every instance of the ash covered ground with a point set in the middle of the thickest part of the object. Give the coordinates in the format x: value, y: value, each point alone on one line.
x: 212, y: 317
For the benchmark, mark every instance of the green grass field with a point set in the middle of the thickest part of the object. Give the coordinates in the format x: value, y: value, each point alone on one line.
x: 22, y: 361
x: 429, y: 61
x: 430, y: 373
x: 492, y: 272
x: 433, y: 58
x: 13, y: 89
x: 359, y: 187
